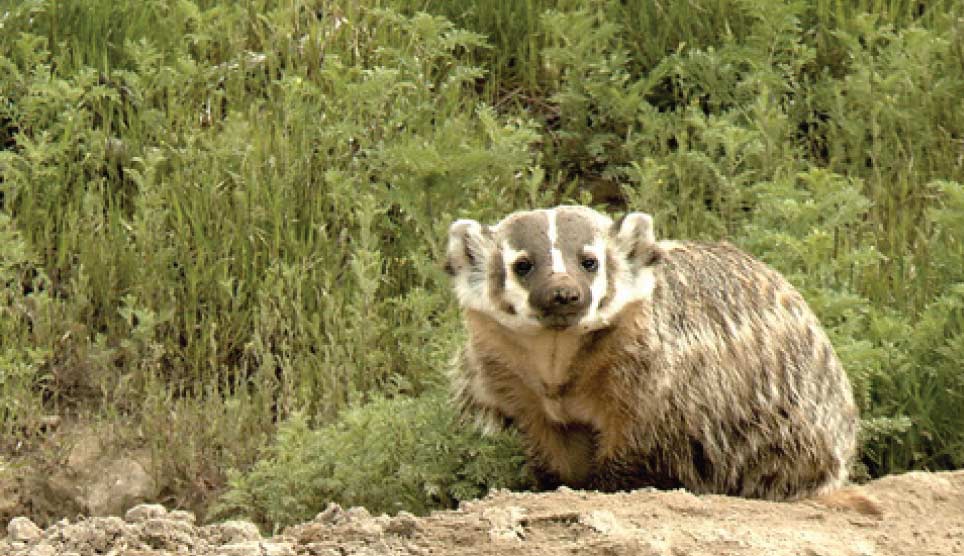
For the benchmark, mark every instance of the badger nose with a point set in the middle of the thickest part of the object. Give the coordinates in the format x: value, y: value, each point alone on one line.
x: 560, y: 295
x: 564, y: 295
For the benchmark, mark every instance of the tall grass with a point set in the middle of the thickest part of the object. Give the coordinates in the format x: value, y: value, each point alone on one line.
x: 217, y: 215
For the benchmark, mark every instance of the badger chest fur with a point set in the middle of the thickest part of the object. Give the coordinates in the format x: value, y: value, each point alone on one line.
x: 629, y: 362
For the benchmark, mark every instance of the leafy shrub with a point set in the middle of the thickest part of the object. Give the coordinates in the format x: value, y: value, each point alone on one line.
x: 387, y: 455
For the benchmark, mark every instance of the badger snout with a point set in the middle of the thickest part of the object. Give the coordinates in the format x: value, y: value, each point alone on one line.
x: 560, y: 300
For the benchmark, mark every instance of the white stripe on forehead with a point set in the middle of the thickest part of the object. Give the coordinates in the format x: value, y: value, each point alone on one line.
x: 558, y: 265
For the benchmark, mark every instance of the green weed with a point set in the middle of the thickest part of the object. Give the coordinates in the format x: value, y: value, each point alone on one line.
x: 422, y: 456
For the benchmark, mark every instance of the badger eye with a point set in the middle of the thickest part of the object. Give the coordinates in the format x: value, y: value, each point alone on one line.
x: 522, y: 267
x: 590, y: 264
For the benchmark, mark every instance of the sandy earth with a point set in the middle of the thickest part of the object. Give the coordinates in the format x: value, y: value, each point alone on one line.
x: 923, y: 514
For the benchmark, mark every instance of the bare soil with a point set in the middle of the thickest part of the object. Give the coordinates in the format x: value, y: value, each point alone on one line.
x: 923, y: 514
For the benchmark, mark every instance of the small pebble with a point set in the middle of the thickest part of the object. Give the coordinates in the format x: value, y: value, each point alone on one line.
x: 21, y: 529
x: 42, y: 549
x: 143, y: 512
x: 238, y: 531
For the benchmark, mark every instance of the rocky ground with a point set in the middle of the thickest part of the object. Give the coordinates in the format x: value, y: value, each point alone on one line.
x: 922, y: 514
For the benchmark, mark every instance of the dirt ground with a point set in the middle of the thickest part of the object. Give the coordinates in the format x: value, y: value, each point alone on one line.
x: 923, y: 514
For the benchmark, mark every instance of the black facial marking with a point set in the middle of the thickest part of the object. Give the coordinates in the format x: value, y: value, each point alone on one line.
x: 522, y: 267
x: 496, y: 276
x: 529, y: 233
x: 652, y: 257
x: 589, y: 263
x: 617, y: 225
x: 574, y: 232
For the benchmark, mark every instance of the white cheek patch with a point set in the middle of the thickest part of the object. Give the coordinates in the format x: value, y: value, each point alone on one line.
x: 597, y: 290
x: 473, y: 295
x: 627, y: 288
x: 558, y: 265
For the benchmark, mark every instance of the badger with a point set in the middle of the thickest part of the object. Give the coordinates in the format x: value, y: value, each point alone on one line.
x: 627, y: 362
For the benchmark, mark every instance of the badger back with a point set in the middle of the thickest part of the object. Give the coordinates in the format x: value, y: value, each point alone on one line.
x: 746, y: 361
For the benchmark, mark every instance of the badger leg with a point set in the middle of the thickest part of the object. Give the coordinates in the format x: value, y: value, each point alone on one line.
x: 622, y: 462
x: 631, y: 472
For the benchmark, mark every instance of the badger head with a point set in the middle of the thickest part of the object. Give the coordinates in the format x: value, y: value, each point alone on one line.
x: 569, y: 268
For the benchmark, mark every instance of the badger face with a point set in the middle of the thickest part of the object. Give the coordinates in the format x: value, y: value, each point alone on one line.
x: 569, y: 268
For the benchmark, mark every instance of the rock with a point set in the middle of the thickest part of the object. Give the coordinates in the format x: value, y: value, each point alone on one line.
x: 97, y: 534
x: 124, y: 483
x: 159, y: 532
x: 247, y: 548
x: 277, y: 549
x: 21, y: 529
x: 42, y: 549
x: 330, y: 515
x: 322, y: 549
x: 83, y: 537
x: 183, y: 516
x: 357, y: 516
x: 236, y: 531
x: 402, y: 525
x: 505, y: 523
x: 600, y: 521
x: 143, y: 512
x: 96, y: 480
x: 357, y: 513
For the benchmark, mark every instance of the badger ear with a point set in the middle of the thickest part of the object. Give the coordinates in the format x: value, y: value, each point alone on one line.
x: 465, y: 248
x: 634, y: 238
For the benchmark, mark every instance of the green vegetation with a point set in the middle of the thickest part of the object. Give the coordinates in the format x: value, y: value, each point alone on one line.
x: 221, y: 218
x: 388, y: 455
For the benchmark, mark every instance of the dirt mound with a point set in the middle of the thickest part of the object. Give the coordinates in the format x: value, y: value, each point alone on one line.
x: 922, y: 514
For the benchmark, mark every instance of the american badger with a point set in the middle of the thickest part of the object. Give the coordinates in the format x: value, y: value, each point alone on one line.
x: 628, y: 362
